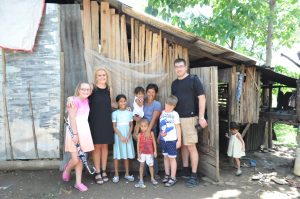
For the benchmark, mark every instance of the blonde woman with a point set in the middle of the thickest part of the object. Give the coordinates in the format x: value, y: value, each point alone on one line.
x: 78, y: 117
x: 100, y: 122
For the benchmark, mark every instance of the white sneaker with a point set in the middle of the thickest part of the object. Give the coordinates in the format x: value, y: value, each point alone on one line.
x: 129, y: 178
x: 116, y: 179
x: 140, y: 185
x: 238, y: 172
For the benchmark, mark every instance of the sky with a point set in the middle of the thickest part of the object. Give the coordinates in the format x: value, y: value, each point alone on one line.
x: 277, y: 58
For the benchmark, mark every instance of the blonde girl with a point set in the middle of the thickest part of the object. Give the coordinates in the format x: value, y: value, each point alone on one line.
x: 78, y: 118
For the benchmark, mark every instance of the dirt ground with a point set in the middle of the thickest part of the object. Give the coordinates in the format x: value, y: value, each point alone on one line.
x: 274, y: 164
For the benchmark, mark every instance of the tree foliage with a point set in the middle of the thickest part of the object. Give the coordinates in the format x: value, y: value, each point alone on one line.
x: 238, y: 24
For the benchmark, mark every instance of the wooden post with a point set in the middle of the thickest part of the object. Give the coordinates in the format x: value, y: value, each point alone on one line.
x: 270, y: 96
x: 298, y: 100
x: 5, y: 112
x: 266, y: 135
x: 270, y: 133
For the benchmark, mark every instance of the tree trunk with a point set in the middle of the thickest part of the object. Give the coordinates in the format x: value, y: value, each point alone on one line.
x: 270, y: 33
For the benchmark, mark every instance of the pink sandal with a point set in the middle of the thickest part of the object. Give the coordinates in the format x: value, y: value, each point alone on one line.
x: 81, y: 187
x: 65, y: 176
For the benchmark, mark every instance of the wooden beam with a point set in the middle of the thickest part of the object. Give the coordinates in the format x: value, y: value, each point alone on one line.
x: 105, y: 28
x: 225, y: 54
x: 276, y: 116
x: 95, y: 25
x: 87, y: 31
x: 245, y: 130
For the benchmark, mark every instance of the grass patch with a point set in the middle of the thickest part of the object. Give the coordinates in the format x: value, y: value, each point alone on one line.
x: 286, y: 134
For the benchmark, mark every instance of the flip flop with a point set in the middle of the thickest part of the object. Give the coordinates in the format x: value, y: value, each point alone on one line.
x: 66, y: 176
x: 81, y: 187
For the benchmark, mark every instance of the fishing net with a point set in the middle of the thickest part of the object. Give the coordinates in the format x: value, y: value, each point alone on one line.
x: 124, y: 76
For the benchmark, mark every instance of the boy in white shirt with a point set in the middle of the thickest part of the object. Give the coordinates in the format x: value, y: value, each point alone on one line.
x: 170, y: 139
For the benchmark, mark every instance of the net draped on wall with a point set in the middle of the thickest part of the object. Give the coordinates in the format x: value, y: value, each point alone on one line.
x: 124, y: 76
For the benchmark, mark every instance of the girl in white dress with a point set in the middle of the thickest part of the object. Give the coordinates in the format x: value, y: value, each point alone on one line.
x: 236, y: 146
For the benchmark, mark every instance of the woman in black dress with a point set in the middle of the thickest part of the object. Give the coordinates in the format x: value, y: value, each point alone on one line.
x: 100, y: 123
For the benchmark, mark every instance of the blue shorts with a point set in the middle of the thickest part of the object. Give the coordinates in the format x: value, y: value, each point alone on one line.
x: 169, y: 148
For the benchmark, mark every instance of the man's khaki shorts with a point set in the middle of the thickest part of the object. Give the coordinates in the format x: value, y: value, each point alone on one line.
x: 188, y: 130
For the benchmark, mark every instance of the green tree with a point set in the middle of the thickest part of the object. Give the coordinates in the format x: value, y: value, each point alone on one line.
x: 241, y: 25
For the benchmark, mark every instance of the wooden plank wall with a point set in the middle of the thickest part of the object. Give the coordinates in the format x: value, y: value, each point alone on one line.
x: 209, y: 140
x: 247, y: 110
x: 127, y: 39
x: 145, y: 45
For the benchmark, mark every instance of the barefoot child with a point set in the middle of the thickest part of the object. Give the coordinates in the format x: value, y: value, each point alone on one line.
x: 146, y: 150
x: 123, y: 146
x: 170, y: 139
x: 138, y: 108
x: 236, y: 146
x: 78, y: 118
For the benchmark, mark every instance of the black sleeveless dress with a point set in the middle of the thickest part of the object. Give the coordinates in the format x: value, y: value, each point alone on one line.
x: 100, y: 116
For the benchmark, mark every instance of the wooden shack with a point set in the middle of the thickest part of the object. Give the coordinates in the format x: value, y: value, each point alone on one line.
x: 120, y: 33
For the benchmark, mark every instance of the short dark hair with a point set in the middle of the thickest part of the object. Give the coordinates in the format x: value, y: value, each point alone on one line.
x: 120, y: 96
x: 180, y: 60
x: 234, y: 125
x: 152, y: 86
x: 139, y: 89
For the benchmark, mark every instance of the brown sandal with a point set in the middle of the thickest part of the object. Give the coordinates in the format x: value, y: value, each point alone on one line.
x: 104, y: 176
x: 98, y: 178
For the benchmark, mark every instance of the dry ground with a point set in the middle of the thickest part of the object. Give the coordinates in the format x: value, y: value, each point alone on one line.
x: 47, y: 183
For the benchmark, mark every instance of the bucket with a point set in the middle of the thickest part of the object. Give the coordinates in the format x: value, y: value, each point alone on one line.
x: 297, y: 163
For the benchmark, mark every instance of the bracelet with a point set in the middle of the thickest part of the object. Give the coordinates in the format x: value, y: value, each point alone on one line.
x: 202, y: 118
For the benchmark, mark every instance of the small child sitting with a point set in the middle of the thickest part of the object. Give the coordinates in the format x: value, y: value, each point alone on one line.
x: 138, y: 108
x: 236, y: 146
x: 170, y: 139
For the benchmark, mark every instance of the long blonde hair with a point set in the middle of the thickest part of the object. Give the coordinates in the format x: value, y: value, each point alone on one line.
x: 108, y: 80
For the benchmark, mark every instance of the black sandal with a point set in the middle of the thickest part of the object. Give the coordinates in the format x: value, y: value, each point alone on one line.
x: 166, y: 179
x: 104, y: 177
x: 171, y: 182
x: 98, y: 178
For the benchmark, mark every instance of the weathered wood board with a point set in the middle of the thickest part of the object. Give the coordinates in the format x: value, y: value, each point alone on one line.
x: 209, y: 139
x: 33, y: 95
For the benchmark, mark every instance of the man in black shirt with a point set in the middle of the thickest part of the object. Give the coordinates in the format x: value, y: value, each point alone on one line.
x: 191, y: 108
